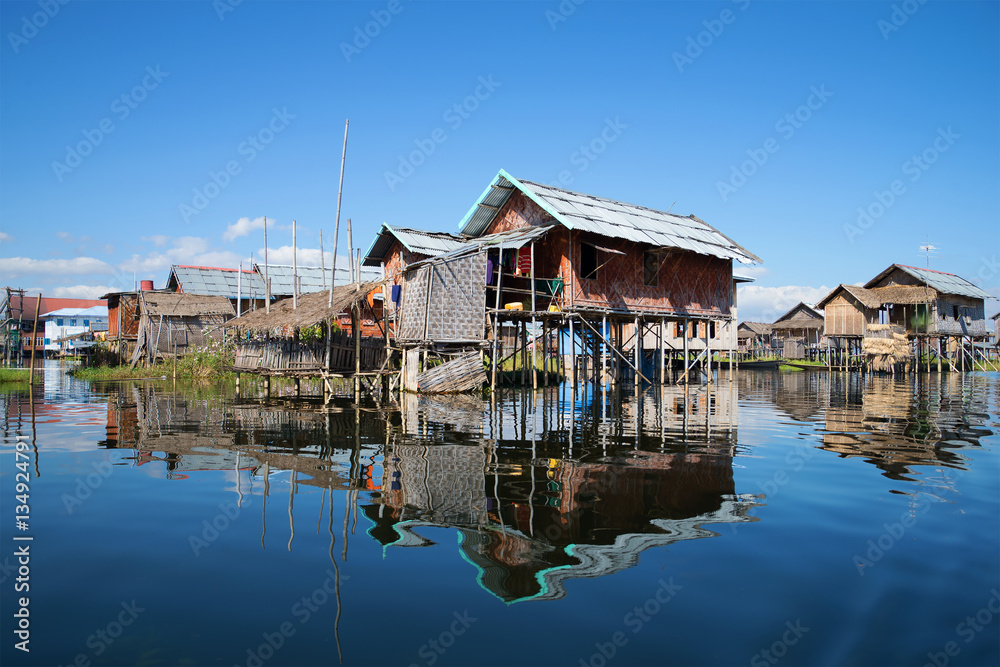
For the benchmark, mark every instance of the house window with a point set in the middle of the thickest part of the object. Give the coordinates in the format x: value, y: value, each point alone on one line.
x: 48, y: 341
x: 59, y: 321
x: 86, y: 323
x: 954, y: 310
x: 72, y: 322
x: 588, y: 261
x: 650, y: 269
x: 693, y: 333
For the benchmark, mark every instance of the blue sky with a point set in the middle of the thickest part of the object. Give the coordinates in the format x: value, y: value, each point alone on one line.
x: 832, y: 139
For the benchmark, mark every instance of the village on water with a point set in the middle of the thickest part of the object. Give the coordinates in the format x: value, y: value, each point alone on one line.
x: 539, y: 285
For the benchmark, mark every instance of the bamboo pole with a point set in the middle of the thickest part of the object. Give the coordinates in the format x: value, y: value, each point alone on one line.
x: 34, y: 334
x: 336, y: 228
x: 267, y: 281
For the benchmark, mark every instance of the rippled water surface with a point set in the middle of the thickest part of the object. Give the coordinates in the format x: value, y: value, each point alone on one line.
x: 804, y: 518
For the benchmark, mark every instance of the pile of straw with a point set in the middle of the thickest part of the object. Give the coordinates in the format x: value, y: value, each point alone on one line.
x: 883, y: 352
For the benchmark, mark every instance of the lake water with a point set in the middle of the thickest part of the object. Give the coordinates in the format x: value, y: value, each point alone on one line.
x: 805, y: 518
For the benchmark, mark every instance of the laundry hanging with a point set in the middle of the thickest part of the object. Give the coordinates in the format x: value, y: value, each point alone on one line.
x: 523, y: 260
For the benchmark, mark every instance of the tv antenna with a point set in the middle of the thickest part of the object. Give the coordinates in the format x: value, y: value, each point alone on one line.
x: 928, y: 249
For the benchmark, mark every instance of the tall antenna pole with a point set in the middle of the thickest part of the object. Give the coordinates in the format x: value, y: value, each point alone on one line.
x: 267, y: 283
x: 336, y: 228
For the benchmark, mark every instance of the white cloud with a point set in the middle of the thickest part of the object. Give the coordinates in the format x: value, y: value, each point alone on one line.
x: 185, y: 250
x: 242, y: 227
x: 5, y: 237
x: 24, y: 266
x: 766, y: 304
x: 82, y: 291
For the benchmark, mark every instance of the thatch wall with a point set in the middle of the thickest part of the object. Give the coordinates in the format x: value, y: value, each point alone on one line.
x: 445, y: 301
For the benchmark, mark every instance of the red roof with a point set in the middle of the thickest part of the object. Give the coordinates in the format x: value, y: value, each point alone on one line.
x: 50, y: 303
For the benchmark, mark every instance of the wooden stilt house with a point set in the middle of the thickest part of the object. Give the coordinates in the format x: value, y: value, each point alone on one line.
x: 172, y: 324
x: 544, y: 259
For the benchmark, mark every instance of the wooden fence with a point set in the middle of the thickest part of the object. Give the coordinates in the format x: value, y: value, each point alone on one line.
x: 297, y: 358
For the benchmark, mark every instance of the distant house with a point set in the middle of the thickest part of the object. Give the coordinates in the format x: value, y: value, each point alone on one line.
x: 919, y: 302
x: 171, y: 323
x: 996, y: 330
x: 799, y: 328
x: 17, y: 317
x: 753, y: 336
x: 71, y: 329
x: 244, y: 288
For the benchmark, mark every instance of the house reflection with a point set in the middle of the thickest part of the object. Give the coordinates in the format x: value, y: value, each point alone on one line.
x: 898, y: 425
x: 531, y: 515
x: 542, y: 488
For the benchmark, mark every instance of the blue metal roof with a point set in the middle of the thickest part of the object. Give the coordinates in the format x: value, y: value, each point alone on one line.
x: 946, y: 283
x: 311, y: 278
x: 216, y: 281
x: 429, y: 244
x: 607, y: 217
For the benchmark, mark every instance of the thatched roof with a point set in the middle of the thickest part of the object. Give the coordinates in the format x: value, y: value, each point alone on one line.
x: 798, y: 322
x: 905, y: 294
x: 312, y: 309
x: 178, y: 304
x: 749, y: 329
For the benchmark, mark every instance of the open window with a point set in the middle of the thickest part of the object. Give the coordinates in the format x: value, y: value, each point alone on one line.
x: 589, y: 261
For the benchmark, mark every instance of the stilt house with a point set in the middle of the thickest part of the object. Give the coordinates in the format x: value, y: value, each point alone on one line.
x: 550, y: 257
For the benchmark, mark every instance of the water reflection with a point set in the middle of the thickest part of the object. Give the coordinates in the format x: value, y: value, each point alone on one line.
x: 548, y: 486
x: 896, y: 424
x: 542, y: 488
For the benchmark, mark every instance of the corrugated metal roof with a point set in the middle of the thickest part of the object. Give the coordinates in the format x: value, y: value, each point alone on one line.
x: 514, y: 238
x: 216, y: 281
x: 311, y: 278
x: 430, y: 244
x: 606, y: 217
x: 948, y: 283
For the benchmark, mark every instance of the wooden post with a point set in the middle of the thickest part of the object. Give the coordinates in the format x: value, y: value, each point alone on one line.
x: 496, y: 321
x: 604, y: 348
x: 356, y: 330
x: 534, y: 324
x: 687, y: 324
x: 34, y: 334
x: 637, y: 351
x: 545, y: 352
x: 708, y: 351
x: 572, y: 358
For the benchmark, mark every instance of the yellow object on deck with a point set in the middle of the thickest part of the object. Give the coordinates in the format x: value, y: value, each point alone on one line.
x: 553, y: 308
x: 515, y: 305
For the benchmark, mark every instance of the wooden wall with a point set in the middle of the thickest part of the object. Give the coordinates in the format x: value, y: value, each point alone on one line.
x: 688, y: 283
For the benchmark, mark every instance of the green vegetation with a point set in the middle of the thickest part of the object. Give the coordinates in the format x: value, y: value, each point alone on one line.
x: 210, y: 361
x: 14, y: 375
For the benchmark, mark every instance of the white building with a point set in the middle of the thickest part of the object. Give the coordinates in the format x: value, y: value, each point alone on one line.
x: 62, y: 325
